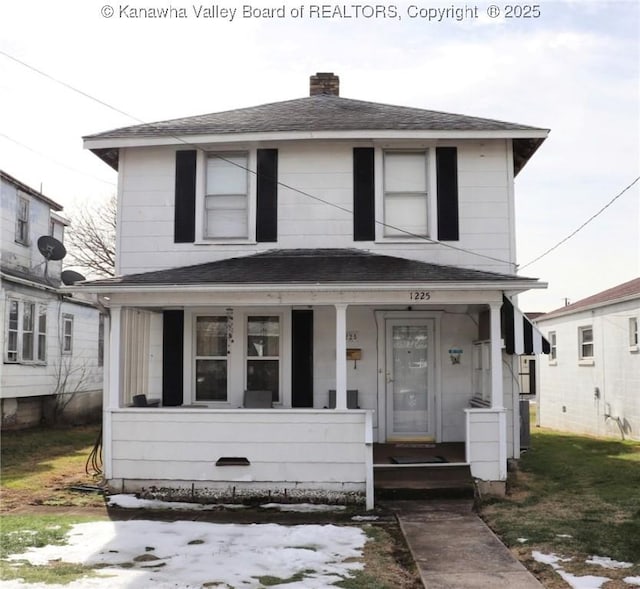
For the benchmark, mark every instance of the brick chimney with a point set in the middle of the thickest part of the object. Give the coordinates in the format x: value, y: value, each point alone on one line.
x: 324, y: 83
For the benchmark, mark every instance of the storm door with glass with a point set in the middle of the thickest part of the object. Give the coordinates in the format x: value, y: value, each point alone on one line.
x: 410, y: 379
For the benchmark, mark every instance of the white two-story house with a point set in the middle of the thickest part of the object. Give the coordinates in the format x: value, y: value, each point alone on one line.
x: 51, y: 342
x: 303, y: 280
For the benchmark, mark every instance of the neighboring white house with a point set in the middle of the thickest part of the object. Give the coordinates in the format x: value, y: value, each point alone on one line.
x: 51, y: 362
x: 310, y: 248
x: 590, y: 382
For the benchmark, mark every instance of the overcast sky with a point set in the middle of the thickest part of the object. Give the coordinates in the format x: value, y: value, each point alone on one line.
x: 572, y: 67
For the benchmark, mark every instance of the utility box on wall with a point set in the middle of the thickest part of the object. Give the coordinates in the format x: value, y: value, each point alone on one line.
x: 525, y: 425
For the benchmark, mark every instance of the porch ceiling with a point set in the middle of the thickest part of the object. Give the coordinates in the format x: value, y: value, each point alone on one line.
x: 312, y: 267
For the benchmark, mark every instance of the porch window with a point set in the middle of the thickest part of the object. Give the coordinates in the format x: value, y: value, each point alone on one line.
x: 263, y: 354
x: 482, y: 371
x: 226, y: 199
x: 405, y: 193
x: 211, y: 358
x: 585, y: 342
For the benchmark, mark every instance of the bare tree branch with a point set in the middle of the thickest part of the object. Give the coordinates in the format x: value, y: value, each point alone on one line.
x: 91, y: 239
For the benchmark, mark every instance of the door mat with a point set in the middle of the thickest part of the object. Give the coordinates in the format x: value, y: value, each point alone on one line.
x: 415, y: 445
x: 418, y: 459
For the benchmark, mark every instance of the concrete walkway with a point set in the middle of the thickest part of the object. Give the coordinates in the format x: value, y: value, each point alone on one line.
x: 454, y: 549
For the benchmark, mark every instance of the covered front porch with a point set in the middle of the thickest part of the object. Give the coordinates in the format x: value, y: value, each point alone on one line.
x: 344, y: 366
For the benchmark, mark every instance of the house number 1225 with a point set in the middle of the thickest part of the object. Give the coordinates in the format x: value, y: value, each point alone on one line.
x: 419, y: 295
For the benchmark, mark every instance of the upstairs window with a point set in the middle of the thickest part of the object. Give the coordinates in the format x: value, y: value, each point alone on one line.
x: 585, y: 343
x: 405, y: 194
x: 22, y: 221
x: 226, y: 198
x: 26, y: 332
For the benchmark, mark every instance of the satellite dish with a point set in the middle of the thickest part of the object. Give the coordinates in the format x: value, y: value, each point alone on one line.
x: 51, y: 248
x: 70, y: 277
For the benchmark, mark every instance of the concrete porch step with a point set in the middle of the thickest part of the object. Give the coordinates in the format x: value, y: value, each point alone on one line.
x: 422, y: 482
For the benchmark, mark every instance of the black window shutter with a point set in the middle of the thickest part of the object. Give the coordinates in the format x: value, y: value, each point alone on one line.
x: 302, y: 358
x: 172, y: 357
x: 447, y: 186
x: 267, y: 195
x: 363, y: 194
x: 184, y: 229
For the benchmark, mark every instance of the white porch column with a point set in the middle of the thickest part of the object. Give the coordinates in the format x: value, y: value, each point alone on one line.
x: 341, y: 356
x: 115, y: 360
x: 497, y: 394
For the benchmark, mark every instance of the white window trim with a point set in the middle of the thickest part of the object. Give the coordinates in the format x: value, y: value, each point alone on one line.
x: 201, y: 189
x: 37, y: 306
x: 194, y: 358
x: 582, y: 359
x: 66, y: 318
x: 432, y: 211
x: 281, y: 337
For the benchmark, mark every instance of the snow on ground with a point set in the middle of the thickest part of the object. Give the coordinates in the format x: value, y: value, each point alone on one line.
x: 576, y: 582
x: 608, y: 563
x: 141, y: 554
x: 302, y: 507
x: 132, y: 502
x: 632, y: 581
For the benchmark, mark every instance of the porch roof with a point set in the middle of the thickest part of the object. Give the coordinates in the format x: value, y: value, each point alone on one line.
x: 312, y: 267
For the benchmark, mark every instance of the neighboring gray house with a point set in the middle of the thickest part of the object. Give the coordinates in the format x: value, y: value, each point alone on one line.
x: 349, y: 265
x: 590, y: 382
x: 51, y: 342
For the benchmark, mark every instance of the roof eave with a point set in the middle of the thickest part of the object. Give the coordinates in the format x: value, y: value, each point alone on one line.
x: 511, y: 286
x: 591, y: 307
x: 101, y: 146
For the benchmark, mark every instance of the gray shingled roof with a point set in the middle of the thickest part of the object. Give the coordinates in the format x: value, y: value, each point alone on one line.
x: 322, y: 112
x: 308, y: 266
x: 28, y: 190
x: 620, y: 292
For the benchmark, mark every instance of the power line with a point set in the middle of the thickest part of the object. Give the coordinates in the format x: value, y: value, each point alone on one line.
x: 55, y: 161
x: 604, y: 208
x: 69, y: 86
x: 301, y: 192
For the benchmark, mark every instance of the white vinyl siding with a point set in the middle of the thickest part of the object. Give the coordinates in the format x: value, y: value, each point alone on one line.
x: 405, y: 193
x: 226, y: 199
x: 323, y: 169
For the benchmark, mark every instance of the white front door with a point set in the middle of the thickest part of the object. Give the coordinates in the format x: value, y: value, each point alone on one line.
x: 410, y: 377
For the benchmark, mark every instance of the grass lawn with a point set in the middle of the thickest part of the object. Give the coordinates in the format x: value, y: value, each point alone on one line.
x: 40, y: 467
x: 577, y: 497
